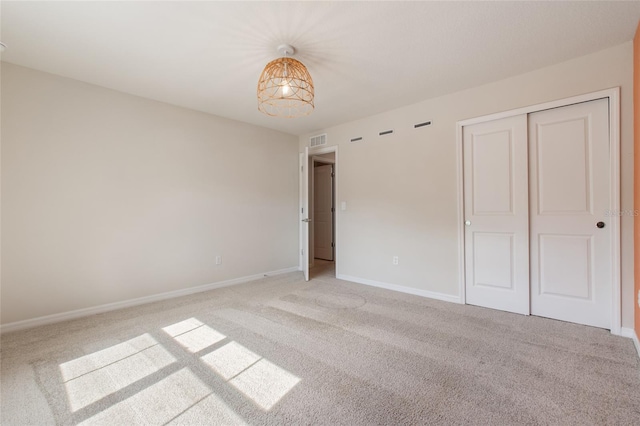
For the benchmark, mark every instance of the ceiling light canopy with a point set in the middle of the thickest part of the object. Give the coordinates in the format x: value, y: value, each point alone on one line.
x: 285, y: 87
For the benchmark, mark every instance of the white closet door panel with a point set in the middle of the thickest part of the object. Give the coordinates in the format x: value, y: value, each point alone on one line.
x: 496, y: 214
x: 569, y: 187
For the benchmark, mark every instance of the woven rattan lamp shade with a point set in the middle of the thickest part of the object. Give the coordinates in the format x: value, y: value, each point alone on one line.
x: 285, y: 89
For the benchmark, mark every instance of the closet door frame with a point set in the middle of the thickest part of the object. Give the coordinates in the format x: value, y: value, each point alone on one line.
x: 613, y: 95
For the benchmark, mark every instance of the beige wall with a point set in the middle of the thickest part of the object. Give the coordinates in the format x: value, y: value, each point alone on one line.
x: 108, y: 197
x: 401, y: 189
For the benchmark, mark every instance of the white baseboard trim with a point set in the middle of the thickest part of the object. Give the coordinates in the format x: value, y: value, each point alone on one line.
x: 631, y: 334
x: 401, y: 289
x: 85, y: 312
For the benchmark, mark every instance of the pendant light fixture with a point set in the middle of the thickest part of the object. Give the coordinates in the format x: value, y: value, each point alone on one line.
x: 285, y: 87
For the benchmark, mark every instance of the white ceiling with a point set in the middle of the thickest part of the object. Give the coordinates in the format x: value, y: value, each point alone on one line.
x: 364, y: 57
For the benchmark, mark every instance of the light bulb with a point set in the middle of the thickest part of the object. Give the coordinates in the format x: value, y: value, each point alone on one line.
x: 285, y: 87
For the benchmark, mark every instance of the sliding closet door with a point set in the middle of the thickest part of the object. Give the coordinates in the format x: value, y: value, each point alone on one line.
x: 570, y: 237
x: 496, y: 214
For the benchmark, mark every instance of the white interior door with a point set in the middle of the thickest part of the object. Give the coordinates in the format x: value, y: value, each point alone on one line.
x: 496, y: 214
x: 570, y: 255
x: 323, y: 212
x: 304, y: 213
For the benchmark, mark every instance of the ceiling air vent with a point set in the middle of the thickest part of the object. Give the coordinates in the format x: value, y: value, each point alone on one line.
x: 319, y: 140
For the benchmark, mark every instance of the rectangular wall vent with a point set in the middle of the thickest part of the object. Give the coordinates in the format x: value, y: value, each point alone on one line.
x: 359, y: 138
x: 386, y: 132
x: 318, y: 140
x: 426, y: 123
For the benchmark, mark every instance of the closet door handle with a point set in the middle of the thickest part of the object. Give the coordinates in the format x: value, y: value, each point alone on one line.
x: 600, y: 225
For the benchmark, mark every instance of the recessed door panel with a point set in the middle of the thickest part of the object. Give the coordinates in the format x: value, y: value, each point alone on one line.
x: 493, y: 260
x: 566, y: 266
x: 563, y: 189
x: 492, y: 173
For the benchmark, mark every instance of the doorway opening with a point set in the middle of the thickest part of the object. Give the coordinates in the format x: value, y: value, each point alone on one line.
x: 319, y: 246
x: 322, y: 203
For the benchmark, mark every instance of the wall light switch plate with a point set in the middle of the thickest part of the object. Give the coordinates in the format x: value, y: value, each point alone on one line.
x: 343, y: 205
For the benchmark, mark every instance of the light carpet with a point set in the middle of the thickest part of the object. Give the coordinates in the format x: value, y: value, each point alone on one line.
x: 284, y: 351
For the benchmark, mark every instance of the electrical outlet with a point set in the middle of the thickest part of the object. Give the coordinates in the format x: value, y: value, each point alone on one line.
x: 218, y: 260
x: 395, y: 260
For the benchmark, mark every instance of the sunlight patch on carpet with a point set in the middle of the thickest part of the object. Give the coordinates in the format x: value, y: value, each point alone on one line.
x: 230, y: 360
x: 262, y: 381
x: 178, y: 328
x: 265, y: 383
x: 88, y: 363
x: 93, y: 386
x: 176, y: 398
x: 194, y: 335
